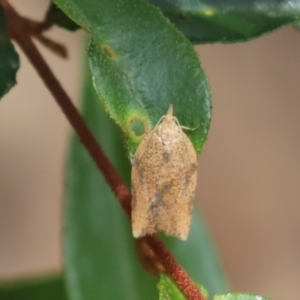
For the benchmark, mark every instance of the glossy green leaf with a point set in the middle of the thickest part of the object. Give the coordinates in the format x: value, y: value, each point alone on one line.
x: 54, y: 14
x: 168, y: 290
x: 140, y: 65
x: 43, y: 288
x: 99, y: 247
x: 9, y: 62
x: 126, y: 86
x: 212, y: 21
x: 100, y: 256
x: 198, y: 257
x: 239, y: 296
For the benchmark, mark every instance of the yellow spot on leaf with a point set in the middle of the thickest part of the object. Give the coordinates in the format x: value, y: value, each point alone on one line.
x: 109, y: 51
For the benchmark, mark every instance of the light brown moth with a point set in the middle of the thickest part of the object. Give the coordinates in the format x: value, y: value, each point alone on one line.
x: 163, y: 178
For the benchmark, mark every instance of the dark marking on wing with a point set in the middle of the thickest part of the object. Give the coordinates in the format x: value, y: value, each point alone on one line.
x: 156, y: 204
x: 166, y: 157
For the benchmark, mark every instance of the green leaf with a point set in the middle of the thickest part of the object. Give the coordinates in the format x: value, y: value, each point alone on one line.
x: 100, y: 256
x: 198, y: 257
x: 168, y: 290
x: 42, y: 288
x: 212, y: 21
x: 9, y: 62
x: 99, y: 247
x: 54, y: 14
x: 239, y: 296
x: 140, y: 65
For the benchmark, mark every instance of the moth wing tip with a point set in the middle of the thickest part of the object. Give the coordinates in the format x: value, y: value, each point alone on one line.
x: 181, y: 235
x: 137, y: 234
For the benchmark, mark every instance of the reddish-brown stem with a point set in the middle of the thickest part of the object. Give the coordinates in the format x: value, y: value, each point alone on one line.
x: 166, y: 259
x: 63, y: 100
x: 176, y: 272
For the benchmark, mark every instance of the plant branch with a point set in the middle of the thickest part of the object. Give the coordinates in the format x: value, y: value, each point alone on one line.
x: 161, y: 258
x: 155, y: 258
x: 16, y: 31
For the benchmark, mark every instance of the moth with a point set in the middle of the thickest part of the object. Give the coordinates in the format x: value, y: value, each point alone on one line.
x: 164, y: 176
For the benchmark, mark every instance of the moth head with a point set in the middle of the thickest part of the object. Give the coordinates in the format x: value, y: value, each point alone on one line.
x: 169, y: 130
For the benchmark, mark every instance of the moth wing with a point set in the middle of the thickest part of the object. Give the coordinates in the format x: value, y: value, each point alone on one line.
x: 163, y: 186
x: 176, y: 189
x: 143, y: 178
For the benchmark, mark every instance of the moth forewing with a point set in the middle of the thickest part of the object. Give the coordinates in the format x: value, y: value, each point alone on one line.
x: 163, y: 180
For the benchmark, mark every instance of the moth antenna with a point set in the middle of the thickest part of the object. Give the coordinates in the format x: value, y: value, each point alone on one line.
x: 188, y: 128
